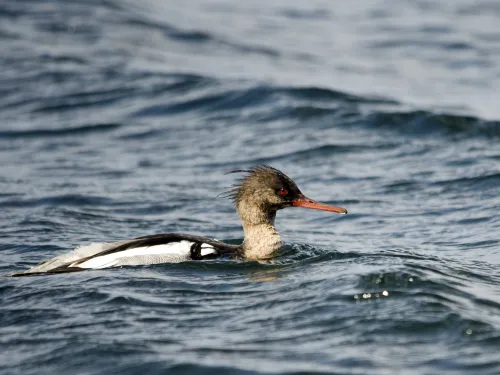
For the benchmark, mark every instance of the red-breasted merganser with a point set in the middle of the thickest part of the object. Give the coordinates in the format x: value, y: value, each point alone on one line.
x: 257, y: 196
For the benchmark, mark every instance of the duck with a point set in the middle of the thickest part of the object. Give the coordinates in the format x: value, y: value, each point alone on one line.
x: 257, y: 196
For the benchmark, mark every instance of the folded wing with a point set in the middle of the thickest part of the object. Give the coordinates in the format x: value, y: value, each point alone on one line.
x: 162, y: 248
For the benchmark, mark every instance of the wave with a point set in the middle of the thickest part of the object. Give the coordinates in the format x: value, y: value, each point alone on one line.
x: 481, y: 183
x: 426, y: 122
x: 297, y: 155
x: 62, y: 200
x: 61, y: 132
x: 83, y: 100
x: 265, y: 103
x: 196, y: 36
x: 362, y: 299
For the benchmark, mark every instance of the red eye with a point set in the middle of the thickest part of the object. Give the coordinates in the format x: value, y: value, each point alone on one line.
x: 283, y: 191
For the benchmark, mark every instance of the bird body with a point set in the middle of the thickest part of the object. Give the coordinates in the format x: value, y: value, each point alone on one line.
x: 258, y: 195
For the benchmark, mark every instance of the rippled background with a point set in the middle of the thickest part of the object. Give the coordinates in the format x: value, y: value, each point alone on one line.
x: 120, y: 119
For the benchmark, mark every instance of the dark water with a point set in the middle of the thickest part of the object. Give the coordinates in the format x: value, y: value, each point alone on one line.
x: 119, y: 119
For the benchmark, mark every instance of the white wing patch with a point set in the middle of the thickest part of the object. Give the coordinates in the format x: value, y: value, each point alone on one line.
x: 166, y: 253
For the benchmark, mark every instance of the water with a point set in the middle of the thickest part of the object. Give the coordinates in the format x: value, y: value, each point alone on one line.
x: 120, y: 119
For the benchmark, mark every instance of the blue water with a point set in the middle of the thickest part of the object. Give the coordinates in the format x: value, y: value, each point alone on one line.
x: 120, y: 119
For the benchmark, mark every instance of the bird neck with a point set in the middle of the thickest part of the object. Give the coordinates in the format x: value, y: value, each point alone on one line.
x: 261, y: 238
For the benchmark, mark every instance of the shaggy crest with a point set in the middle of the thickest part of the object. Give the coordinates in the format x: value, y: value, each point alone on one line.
x: 257, y: 177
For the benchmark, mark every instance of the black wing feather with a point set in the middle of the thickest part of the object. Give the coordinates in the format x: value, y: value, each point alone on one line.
x: 221, y: 248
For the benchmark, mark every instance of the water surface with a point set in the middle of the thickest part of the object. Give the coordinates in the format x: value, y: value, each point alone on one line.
x: 120, y: 119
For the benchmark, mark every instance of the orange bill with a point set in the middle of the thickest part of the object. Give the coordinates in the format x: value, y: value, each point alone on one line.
x: 310, y: 203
